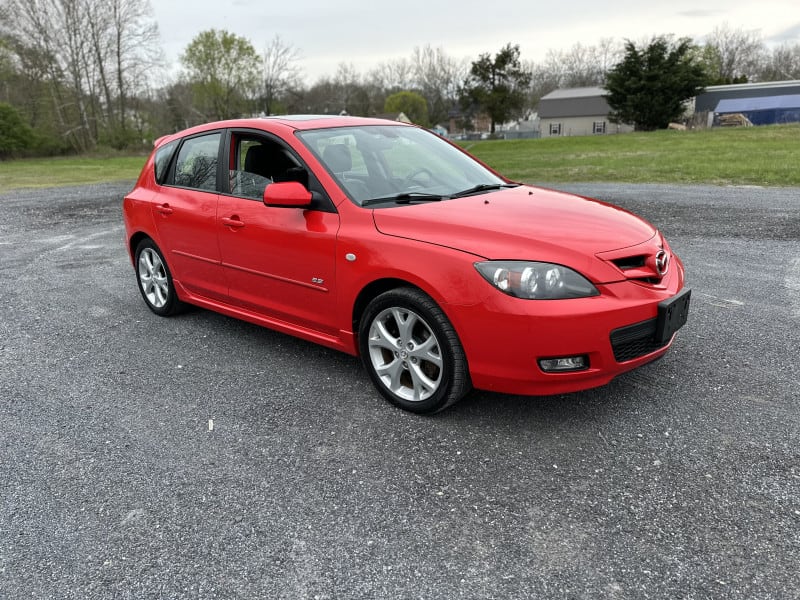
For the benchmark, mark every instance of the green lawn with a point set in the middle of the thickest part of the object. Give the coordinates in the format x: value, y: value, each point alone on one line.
x: 52, y: 172
x: 768, y: 156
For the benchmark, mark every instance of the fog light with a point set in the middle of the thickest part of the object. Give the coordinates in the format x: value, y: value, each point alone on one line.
x: 567, y: 363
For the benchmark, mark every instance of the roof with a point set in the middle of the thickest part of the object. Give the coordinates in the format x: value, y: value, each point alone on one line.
x: 740, y: 105
x: 395, y: 116
x: 759, y: 85
x: 707, y: 100
x: 289, y: 122
x: 574, y: 102
x: 582, y: 92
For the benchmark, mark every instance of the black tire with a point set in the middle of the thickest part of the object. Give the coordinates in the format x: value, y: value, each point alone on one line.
x: 412, y: 353
x: 155, y: 280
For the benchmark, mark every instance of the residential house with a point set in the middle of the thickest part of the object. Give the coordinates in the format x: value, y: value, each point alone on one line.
x: 577, y: 111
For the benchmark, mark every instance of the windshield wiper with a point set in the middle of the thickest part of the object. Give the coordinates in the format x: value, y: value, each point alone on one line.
x: 404, y: 198
x: 483, y: 187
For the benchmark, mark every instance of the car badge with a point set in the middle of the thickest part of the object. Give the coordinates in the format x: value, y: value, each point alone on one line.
x: 662, y: 262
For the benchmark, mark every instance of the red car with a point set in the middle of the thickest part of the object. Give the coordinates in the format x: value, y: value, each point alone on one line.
x: 386, y: 241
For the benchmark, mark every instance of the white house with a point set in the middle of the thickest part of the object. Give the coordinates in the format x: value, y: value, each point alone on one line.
x: 577, y: 111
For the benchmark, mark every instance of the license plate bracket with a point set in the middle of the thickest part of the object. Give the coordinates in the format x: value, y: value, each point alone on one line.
x: 672, y: 315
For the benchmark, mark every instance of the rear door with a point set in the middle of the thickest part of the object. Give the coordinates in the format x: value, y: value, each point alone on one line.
x: 185, y: 212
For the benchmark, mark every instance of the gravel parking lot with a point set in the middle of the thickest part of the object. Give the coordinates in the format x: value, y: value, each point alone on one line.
x: 679, y: 480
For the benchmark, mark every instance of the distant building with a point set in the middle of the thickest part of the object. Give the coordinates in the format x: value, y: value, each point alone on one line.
x: 461, y: 124
x: 763, y: 103
x: 527, y: 127
x: 399, y: 117
x: 768, y: 110
x: 577, y: 111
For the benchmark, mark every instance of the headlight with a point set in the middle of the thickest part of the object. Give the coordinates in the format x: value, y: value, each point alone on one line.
x: 536, y: 280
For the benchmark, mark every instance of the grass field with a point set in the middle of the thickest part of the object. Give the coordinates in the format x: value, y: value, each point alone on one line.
x: 52, y: 172
x: 768, y: 156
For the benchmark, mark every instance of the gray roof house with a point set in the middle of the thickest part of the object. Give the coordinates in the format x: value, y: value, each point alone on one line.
x: 577, y: 111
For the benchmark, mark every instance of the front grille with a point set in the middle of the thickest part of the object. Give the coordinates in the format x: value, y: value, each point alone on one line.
x: 635, y: 340
x: 630, y: 262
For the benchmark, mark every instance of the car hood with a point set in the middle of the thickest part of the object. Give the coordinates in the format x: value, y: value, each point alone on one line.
x: 523, y: 223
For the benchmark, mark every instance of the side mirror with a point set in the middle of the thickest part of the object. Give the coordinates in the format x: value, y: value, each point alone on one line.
x: 287, y: 194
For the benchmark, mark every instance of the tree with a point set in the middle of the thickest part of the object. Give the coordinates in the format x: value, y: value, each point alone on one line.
x: 393, y: 76
x: 438, y: 78
x: 224, y: 71
x: 85, y: 60
x: 412, y: 104
x: 733, y: 55
x: 351, y: 93
x: 281, y: 73
x: 15, y: 134
x: 497, y: 85
x: 648, y: 87
x: 580, y: 66
x: 782, y: 64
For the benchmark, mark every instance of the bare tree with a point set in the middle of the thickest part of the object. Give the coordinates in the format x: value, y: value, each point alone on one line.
x: 438, y: 77
x: 393, y: 76
x: 783, y: 63
x: 580, y: 66
x: 734, y: 55
x: 93, y: 53
x: 281, y: 72
x: 350, y: 90
x: 135, y: 50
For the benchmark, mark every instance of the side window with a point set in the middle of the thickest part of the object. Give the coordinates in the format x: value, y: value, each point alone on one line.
x: 257, y: 162
x: 555, y: 128
x: 196, y: 166
x: 163, y: 156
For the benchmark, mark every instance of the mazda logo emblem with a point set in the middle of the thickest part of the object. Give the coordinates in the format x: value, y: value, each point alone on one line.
x: 662, y: 262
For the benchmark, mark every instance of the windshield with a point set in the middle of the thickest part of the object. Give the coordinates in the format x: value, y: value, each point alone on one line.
x: 391, y: 164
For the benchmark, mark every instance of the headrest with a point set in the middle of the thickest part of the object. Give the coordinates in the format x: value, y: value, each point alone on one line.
x: 337, y: 158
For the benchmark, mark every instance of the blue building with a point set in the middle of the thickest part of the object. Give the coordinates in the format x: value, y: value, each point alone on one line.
x: 764, y: 110
x: 763, y: 103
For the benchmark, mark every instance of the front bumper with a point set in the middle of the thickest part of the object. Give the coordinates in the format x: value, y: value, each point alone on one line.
x: 504, y: 338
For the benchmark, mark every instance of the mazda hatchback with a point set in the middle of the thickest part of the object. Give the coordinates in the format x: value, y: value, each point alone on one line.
x: 385, y: 241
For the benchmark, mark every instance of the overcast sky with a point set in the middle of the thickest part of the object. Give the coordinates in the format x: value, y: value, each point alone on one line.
x: 365, y: 33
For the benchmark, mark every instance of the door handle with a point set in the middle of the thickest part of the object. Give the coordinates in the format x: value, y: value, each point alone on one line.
x: 232, y: 221
x: 164, y: 209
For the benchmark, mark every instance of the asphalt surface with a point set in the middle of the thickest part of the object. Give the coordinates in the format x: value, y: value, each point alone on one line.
x: 679, y: 480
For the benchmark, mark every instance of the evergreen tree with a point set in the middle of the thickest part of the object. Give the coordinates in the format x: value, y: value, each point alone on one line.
x: 498, y: 85
x: 648, y: 87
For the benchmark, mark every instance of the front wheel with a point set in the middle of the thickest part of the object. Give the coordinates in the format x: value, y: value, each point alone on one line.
x: 155, y: 280
x: 412, y: 353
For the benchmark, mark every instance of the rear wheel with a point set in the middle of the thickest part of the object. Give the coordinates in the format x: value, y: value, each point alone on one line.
x: 412, y: 353
x: 155, y: 280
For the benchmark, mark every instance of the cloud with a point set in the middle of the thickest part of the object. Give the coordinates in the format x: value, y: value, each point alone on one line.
x: 699, y: 13
x: 791, y: 34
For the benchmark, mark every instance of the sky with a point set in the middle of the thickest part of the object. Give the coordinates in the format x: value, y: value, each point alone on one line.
x: 364, y: 34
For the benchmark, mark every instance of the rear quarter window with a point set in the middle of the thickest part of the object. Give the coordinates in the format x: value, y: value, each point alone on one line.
x: 163, y: 158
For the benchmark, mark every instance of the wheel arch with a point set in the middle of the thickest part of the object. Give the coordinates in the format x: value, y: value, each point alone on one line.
x: 373, y: 290
x: 377, y: 287
x: 453, y: 360
x: 135, y: 240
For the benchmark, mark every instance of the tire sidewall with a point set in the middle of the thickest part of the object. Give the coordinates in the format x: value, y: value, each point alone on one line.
x: 449, y: 390
x: 172, y: 303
